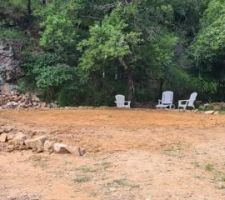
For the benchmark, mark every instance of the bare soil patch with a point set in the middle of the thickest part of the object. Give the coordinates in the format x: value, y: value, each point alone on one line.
x: 132, y: 154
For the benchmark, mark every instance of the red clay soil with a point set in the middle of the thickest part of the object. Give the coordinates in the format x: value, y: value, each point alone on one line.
x: 131, y: 154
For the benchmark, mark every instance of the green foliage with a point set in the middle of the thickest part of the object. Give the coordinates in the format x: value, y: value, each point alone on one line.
x: 162, y: 52
x: 65, y: 97
x: 12, y: 35
x: 52, y: 76
x: 209, y: 44
x: 91, y: 50
x: 59, y: 23
x: 63, y: 35
x: 47, y: 73
x: 208, y: 47
x: 210, y: 40
x: 108, y: 40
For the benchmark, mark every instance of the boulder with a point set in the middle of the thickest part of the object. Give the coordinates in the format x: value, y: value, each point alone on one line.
x: 65, y: 149
x: 49, y: 146
x: 10, y: 136
x: 11, y: 104
x: 10, y: 148
x: 77, y: 151
x: 18, y: 140
x: 60, y: 148
x: 3, y: 137
x: 210, y: 112
x: 7, y: 128
x: 36, y: 144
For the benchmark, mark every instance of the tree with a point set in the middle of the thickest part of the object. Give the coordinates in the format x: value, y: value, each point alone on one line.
x: 208, y: 48
x: 110, y: 40
x: 137, y: 48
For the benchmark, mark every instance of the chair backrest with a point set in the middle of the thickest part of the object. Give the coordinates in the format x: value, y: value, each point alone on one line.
x: 167, y: 97
x: 192, y: 98
x: 120, y: 100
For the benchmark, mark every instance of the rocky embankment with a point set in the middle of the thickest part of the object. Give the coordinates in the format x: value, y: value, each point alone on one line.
x: 23, y: 101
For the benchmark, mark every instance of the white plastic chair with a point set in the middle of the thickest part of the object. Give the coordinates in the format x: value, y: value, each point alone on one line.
x: 183, y: 104
x: 121, y: 103
x: 166, y: 101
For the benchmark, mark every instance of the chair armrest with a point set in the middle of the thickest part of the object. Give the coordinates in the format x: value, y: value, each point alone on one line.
x: 183, y: 102
x: 127, y: 104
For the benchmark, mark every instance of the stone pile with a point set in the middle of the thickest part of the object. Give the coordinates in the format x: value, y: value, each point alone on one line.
x: 12, y: 139
x: 22, y: 101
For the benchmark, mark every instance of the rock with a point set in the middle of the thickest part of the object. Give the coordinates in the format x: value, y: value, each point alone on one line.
x: 53, y: 105
x: 24, y: 197
x: 81, y: 151
x: 10, y: 136
x: 10, y: 148
x: 20, y: 101
x: 210, y: 112
x: 7, y: 129
x: 9, y: 66
x: 43, y: 104
x: 78, y: 151
x: 49, y: 146
x: 18, y: 140
x: 60, y: 148
x: 11, y: 104
x: 63, y: 149
x: 216, y: 113
x: 36, y: 144
x: 3, y: 137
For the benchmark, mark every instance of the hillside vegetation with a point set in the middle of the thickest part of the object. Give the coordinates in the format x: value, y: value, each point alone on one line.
x: 82, y: 52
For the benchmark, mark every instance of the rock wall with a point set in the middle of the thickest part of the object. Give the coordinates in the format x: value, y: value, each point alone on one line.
x: 10, y: 70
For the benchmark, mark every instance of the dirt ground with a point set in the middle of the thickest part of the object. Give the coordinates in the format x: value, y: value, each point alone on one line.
x: 135, y: 154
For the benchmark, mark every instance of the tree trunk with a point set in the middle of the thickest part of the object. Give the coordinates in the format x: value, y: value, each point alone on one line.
x: 29, y: 13
x: 43, y: 2
x: 161, y: 87
x: 131, y: 88
x: 29, y: 9
x: 130, y: 82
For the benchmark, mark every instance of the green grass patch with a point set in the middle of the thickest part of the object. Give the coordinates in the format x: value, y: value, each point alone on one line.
x: 209, y: 167
x: 82, y: 179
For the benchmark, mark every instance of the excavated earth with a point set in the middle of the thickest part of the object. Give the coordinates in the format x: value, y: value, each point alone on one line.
x: 135, y: 154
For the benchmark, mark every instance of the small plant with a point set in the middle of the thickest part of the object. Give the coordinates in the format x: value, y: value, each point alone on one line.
x: 86, y: 169
x: 209, y: 167
x: 82, y: 179
x: 174, y: 150
x: 122, y: 183
x: 106, y: 165
x: 196, y: 164
x: 222, y: 178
